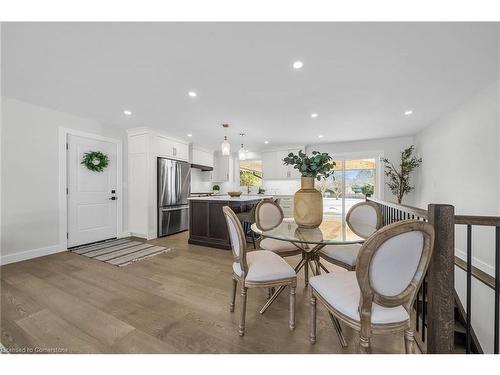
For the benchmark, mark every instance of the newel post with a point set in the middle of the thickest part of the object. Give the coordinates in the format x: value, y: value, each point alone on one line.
x: 441, y: 281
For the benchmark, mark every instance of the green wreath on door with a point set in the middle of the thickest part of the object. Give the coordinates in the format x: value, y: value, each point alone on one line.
x: 95, y: 161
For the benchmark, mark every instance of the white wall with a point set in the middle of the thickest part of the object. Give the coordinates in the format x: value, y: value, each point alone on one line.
x: 30, y: 208
x: 461, y: 166
x: 386, y: 147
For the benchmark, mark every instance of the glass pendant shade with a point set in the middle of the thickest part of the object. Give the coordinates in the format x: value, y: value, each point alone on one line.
x: 225, y: 147
x: 242, y: 153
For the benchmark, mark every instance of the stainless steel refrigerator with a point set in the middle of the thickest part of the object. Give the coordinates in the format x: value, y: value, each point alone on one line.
x: 174, y: 185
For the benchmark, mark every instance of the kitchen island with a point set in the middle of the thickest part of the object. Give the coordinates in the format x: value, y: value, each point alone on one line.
x: 207, y: 225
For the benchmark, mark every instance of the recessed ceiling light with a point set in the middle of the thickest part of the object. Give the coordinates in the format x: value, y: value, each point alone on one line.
x: 314, y: 115
x: 189, y: 135
x: 127, y: 112
x: 298, y: 64
x: 266, y: 142
x: 320, y: 136
x: 408, y: 112
x: 192, y: 94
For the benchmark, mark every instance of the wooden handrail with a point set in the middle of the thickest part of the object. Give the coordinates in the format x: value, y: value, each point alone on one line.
x: 440, y: 275
x: 482, y: 276
x: 409, y: 209
x: 491, y: 221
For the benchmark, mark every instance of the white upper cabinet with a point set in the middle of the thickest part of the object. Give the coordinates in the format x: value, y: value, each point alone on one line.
x: 273, y: 167
x: 201, y: 156
x: 146, y: 140
x: 223, y: 170
x: 169, y: 147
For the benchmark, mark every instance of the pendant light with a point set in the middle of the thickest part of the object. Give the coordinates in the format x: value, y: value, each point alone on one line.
x: 225, y: 147
x: 242, y: 153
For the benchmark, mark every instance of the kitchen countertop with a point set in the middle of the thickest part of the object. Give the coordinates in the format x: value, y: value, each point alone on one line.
x: 227, y: 198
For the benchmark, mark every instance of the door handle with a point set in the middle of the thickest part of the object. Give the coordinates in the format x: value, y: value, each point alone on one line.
x: 113, y: 198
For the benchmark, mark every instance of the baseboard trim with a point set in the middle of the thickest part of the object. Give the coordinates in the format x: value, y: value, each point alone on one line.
x: 124, y: 235
x: 140, y: 235
x: 30, y: 254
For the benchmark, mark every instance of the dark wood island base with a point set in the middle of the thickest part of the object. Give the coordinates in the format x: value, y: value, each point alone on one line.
x: 207, y: 225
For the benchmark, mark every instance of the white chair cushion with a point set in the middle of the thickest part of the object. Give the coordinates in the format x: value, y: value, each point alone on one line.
x: 265, y: 265
x: 347, y: 254
x: 276, y: 246
x: 341, y: 290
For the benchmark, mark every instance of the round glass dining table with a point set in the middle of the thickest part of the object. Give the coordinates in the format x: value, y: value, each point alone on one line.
x: 332, y: 231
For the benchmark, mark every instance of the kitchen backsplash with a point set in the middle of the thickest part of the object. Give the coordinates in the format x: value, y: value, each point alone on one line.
x: 273, y: 187
x: 281, y: 187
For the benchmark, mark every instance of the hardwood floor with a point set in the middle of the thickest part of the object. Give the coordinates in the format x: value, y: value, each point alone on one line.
x: 176, y: 302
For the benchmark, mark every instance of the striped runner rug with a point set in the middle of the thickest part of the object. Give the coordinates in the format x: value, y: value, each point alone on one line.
x: 119, y: 252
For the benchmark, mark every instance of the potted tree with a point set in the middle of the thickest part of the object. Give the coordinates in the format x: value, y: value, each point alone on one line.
x: 308, y: 202
x: 367, y: 190
x: 399, y: 179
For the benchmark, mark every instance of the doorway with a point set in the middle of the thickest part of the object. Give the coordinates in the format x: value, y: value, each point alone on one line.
x: 93, y: 198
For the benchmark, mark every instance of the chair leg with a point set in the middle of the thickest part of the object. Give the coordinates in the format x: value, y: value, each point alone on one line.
x: 312, y: 333
x: 409, y: 341
x: 241, y: 330
x: 292, y: 307
x: 364, y: 345
x: 306, y: 272
x: 233, y: 295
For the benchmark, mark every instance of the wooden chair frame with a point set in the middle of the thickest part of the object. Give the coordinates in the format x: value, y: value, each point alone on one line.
x: 369, y: 296
x: 241, y: 259
x: 378, y: 226
x: 283, y: 254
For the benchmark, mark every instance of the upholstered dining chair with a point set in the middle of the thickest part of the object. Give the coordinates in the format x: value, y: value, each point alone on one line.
x: 364, y: 219
x: 378, y: 296
x: 268, y: 215
x: 256, y: 269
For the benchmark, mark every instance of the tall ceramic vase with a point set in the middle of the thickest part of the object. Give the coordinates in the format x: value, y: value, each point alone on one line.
x: 308, y: 205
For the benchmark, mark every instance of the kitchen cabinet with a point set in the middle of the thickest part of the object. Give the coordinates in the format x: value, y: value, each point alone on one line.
x: 145, y: 145
x: 168, y: 147
x: 223, y: 170
x: 201, y: 156
x: 273, y: 167
x: 286, y: 204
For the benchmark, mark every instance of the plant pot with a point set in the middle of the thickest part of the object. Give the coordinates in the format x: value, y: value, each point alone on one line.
x: 308, y: 205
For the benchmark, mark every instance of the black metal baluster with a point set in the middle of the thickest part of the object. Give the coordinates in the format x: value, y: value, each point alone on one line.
x: 497, y: 287
x: 417, y: 323
x: 424, y: 309
x: 469, y: 284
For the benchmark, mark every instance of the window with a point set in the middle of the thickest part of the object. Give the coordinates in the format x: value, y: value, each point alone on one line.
x: 352, y: 180
x: 251, y: 173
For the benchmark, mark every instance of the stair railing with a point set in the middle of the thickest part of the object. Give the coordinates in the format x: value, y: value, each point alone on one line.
x: 434, y: 307
x: 471, y: 271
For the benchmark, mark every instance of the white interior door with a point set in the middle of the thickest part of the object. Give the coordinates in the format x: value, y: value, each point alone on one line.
x: 92, y: 198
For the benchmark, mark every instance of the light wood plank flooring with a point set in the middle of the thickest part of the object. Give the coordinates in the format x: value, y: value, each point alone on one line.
x: 177, y: 302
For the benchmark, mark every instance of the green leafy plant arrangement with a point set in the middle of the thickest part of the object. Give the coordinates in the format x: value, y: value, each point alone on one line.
x: 399, y: 179
x: 95, y: 161
x: 319, y: 165
x: 216, y: 188
x: 367, y: 190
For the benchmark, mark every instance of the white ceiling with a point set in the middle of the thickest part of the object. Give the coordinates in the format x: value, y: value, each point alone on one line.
x: 359, y: 77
